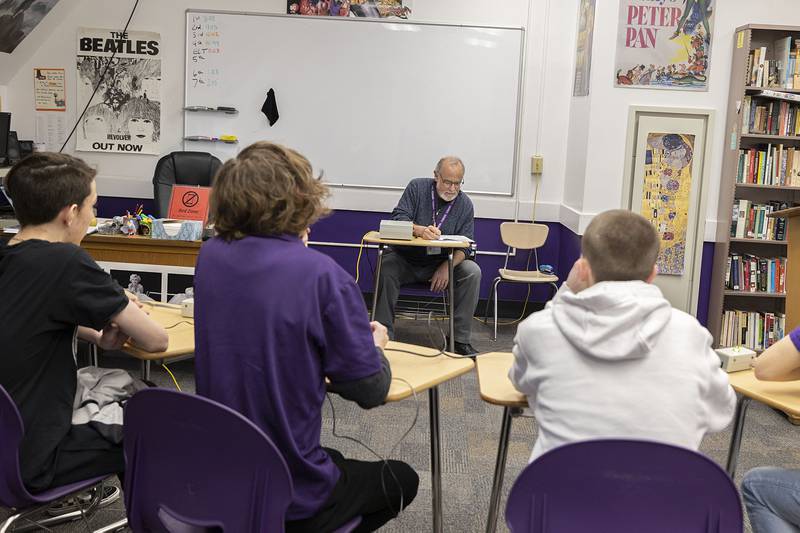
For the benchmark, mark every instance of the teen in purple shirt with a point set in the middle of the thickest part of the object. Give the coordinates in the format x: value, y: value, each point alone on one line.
x: 273, y: 320
x: 770, y: 493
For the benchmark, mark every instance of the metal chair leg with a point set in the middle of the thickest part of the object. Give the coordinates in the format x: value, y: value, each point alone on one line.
x: 494, y: 292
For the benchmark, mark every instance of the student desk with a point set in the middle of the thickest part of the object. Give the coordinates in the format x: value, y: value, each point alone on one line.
x: 782, y: 395
x: 496, y: 388
x: 143, y: 250
x: 421, y: 373
x: 181, y: 336
x: 373, y: 237
x: 426, y: 373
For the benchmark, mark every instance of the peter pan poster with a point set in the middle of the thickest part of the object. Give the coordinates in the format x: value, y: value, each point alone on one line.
x: 664, y: 44
x: 124, y: 112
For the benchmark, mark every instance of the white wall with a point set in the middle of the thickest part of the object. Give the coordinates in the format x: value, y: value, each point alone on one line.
x: 609, y: 106
x: 130, y: 175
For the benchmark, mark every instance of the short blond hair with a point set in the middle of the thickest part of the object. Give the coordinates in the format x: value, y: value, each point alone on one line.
x: 267, y: 189
x: 620, y: 245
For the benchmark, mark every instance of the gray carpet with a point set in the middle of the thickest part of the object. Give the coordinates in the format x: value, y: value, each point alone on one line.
x: 470, y: 430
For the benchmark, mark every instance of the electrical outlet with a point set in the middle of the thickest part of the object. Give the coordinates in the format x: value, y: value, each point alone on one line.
x: 537, y: 165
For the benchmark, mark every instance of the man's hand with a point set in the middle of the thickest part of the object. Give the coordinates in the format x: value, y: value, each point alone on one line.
x: 429, y: 233
x: 440, y: 278
x: 379, y: 334
x: 111, y: 338
x: 580, y: 276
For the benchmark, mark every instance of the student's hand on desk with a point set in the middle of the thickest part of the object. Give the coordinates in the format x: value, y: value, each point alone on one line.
x: 111, y: 338
x: 379, y: 334
x: 440, y: 278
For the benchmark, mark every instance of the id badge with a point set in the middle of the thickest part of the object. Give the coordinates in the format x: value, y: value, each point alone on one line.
x: 434, y: 250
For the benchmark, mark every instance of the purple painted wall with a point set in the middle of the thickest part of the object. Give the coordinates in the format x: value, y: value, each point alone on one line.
x: 561, y: 250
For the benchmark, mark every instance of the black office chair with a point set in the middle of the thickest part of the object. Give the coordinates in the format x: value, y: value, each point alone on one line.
x: 181, y: 168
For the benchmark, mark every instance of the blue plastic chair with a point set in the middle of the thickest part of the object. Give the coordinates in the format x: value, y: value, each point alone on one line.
x: 194, y: 465
x: 623, y: 486
x: 13, y: 493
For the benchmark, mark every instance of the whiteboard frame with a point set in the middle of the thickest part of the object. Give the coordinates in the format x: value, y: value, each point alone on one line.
x: 520, y: 84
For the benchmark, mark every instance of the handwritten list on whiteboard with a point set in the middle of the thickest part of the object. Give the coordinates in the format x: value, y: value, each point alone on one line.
x: 206, y: 42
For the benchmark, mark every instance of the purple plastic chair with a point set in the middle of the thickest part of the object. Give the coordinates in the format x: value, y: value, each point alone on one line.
x: 13, y: 493
x: 623, y: 486
x: 194, y: 465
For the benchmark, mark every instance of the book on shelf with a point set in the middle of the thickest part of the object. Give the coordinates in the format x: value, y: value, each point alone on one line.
x: 770, y: 117
x: 748, y: 273
x: 772, y: 164
x: 757, y: 331
x: 749, y: 220
x: 780, y: 71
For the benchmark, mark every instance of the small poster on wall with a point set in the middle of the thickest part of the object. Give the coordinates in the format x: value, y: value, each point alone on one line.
x: 664, y: 44
x: 583, y: 49
x: 665, y: 195
x: 49, y: 91
x: 350, y: 8
x: 124, y: 115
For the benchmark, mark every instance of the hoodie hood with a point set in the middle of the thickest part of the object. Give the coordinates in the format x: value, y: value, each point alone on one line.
x: 613, y: 320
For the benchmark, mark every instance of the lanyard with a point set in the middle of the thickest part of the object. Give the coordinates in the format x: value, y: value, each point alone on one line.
x: 433, y: 207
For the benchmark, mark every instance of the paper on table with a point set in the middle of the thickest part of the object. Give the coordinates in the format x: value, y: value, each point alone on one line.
x: 456, y: 238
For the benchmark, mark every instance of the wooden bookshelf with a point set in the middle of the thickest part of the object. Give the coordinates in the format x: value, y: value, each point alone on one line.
x: 745, y: 39
x: 757, y: 294
x: 759, y: 241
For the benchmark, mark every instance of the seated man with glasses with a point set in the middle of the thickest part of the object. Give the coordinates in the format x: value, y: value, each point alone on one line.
x: 435, y: 206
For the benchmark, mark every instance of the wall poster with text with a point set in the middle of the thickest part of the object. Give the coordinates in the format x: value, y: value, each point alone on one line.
x: 665, y: 195
x: 350, y: 8
x: 664, y: 44
x: 124, y: 115
x: 49, y: 89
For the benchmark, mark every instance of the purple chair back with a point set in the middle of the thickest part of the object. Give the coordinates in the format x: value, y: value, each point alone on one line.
x: 194, y: 465
x: 623, y: 486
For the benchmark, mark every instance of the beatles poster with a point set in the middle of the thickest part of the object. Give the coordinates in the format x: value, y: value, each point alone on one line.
x: 124, y: 116
x: 665, y: 195
x: 664, y: 44
x: 350, y: 8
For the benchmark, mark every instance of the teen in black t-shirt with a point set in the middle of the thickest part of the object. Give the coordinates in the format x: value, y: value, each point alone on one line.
x: 53, y: 293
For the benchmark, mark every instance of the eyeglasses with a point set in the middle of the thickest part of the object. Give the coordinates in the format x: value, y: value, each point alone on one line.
x: 448, y: 183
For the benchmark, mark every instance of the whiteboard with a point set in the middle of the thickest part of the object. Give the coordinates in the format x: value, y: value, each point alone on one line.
x: 371, y: 103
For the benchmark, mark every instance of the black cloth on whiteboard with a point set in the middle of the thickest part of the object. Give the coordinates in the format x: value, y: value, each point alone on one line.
x: 48, y: 290
x: 270, y: 108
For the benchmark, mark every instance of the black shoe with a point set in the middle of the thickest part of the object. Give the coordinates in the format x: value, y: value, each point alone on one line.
x: 462, y: 348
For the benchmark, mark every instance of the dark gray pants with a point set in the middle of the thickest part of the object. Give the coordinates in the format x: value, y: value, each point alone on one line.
x: 396, y: 272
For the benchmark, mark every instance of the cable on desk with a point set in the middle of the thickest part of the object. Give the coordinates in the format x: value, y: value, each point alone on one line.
x: 191, y: 323
x: 175, y: 381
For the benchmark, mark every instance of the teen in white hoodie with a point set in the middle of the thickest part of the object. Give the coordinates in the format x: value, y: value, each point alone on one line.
x: 610, y: 358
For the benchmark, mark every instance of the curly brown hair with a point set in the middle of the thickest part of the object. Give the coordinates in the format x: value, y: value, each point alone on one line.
x: 267, y: 189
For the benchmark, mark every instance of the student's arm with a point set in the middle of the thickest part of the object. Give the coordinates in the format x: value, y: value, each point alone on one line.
x: 719, y: 398
x: 522, y: 373
x: 131, y: 324
x: 142, y: 330
x: 352, y: 355
x: 370, y: 391
x: 781, y: 361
